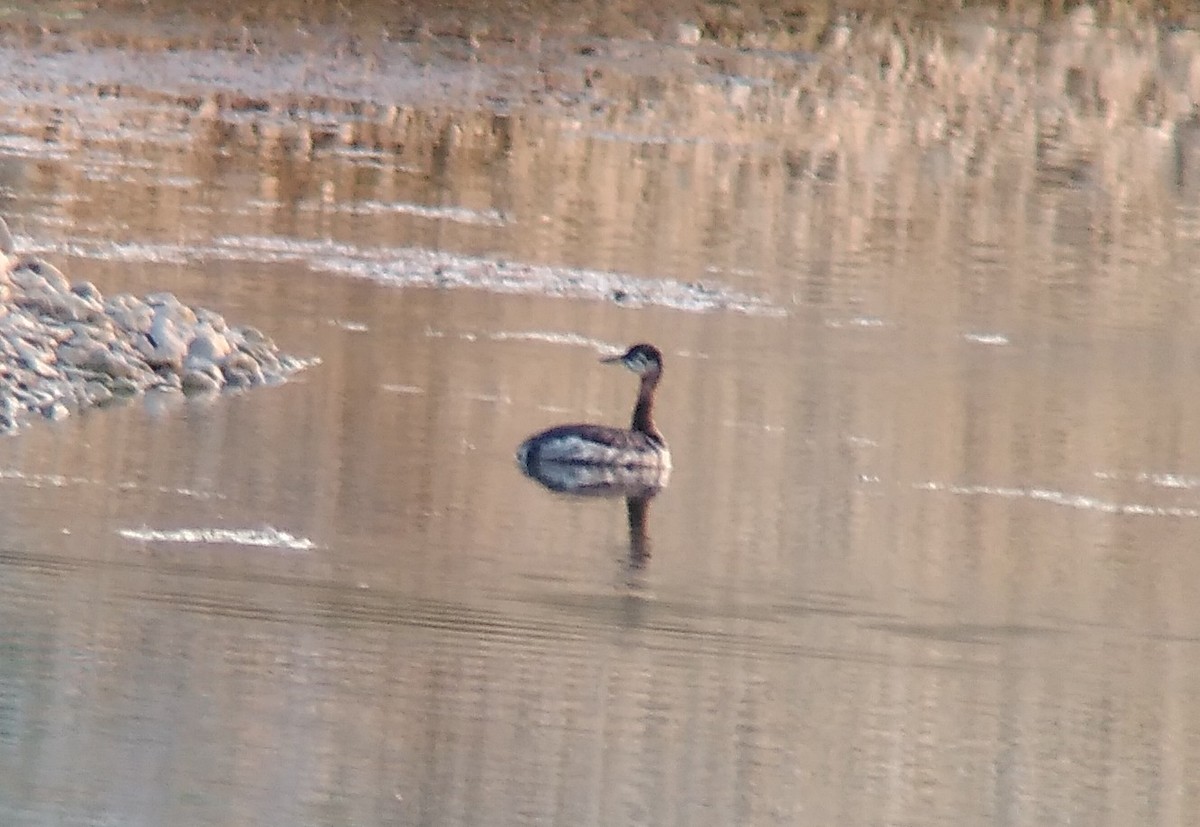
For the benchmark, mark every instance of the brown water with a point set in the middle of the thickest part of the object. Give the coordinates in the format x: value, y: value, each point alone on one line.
x: 926, y: 557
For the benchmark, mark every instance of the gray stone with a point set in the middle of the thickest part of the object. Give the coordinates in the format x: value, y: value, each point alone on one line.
x: 166, y: 380
x: 56, y: 410
x: 208, y: 344
x: 97, y: 393
x: 88, y: 292
x: 66, y: 347
x: 122, y: 386
x: 162, y: 345
x: 196, y: 380
x: 243, y: 378
x: 129, y: 313
x: 35, y: 360
x: 31, y: 274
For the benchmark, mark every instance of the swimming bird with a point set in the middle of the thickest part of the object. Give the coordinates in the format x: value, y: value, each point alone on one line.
x: 641, y: 446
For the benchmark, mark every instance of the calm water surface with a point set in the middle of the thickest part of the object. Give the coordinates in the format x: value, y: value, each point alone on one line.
x: 927, y: 555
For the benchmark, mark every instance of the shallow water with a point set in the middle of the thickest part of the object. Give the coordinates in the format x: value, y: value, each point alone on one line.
x: 926, y: 553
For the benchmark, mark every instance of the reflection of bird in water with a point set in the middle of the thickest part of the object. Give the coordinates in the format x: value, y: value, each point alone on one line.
x: 638, y: 509
x: 637, y: 484
x: 641, y: 446
x: 596, y: 480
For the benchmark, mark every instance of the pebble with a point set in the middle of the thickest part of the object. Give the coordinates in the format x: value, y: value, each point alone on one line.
x: 195, y: 379
x: 65, y: 347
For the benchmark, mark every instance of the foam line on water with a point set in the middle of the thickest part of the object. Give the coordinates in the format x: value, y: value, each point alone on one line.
x: 267, y: 537
x: 1063, y: 498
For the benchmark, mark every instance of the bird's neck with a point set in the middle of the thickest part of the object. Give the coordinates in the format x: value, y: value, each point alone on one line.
x: 643, y: 412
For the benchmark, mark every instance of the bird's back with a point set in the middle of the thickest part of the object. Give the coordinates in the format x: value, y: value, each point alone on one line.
x: 588, y: 444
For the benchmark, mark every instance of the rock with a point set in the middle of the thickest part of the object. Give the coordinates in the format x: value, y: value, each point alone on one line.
x: 129, y: 313
x: 96, y: 393
x: 35, y: 360
x: 252, y: 339
x: 32, y: 274
x: 100, y: 329
x: 242, y: 377
x: 166, y: 379
x: 240, y: 359
x: 122, y: 386
x: 163, y: 345
x: 208, y: 344
x: 196, y: 380
x: 88, y: 292
x: 56, y: 411
x: 80, y: 353
x: 7, y: 249
x: 103, y: 360
x: 55, y: 305
x: 213, y: 320
x: 66, y: 347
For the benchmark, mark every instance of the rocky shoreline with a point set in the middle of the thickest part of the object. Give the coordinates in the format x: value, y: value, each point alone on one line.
x: 65, y: 347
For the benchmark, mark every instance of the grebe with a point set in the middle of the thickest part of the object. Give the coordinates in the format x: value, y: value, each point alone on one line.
x: 641, y: 446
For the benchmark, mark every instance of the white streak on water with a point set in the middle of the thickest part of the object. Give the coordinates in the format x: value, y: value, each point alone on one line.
x: 263, y: 537
x: 22, y: 147
x: 42, y: 480
x: 418, y: 267
x: 459, y: 215
x: 296, y: 364
x: 349, y: 326
x: 490, y: 398
x: 1047, y: 495
x: 740, y: 272
x: 856, y: 321
x: 1159, y: 479
x: 765, y: 427
x: 986, y: 338
x: 553, y: 338
x: 1169, y: 480
x: 59, y: 481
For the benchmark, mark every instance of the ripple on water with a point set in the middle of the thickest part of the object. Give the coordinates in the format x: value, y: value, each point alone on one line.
x: 1063, y: 498
x: 554, y: 338
x: 856, y: 321
x: 262, y: 537
x: 1166, y: 480
x: 458, y: 215
x: 405, y: 389
x: 34, y: 480
x: 418, y: 267
x: 349, y: 326
x: 986, y: 338
x: 1158, y: 479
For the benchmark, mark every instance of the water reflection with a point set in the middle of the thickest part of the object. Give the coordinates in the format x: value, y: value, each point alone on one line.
x: 933, y: 294
x: 638, y: 485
